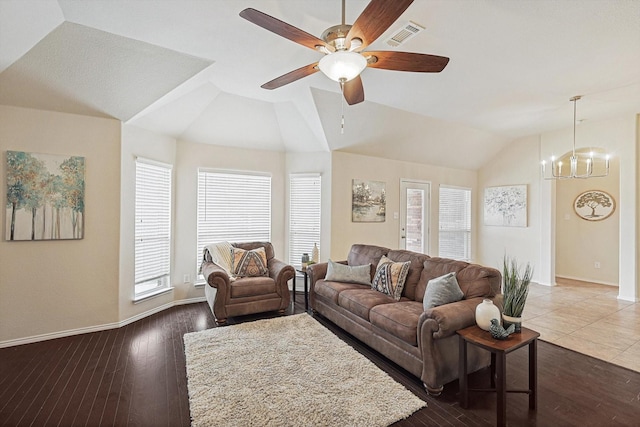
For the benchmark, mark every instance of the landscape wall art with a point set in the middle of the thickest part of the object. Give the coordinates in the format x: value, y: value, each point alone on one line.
x: 45, y: 196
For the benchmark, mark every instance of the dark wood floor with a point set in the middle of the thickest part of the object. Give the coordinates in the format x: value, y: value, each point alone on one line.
x: 135, y: 376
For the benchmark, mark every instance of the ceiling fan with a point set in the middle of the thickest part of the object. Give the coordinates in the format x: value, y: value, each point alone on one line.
x: 343, y: 46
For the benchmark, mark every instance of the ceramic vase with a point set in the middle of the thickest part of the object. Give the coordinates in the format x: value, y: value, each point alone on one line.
x: 509, y: 320
x: 315, y: 254
x: 485, y: 311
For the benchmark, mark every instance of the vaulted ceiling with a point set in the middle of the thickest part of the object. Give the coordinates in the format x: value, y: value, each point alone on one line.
x: 192, y: 69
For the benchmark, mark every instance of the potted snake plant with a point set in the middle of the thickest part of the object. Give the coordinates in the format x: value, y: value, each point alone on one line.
x: 515, y: 288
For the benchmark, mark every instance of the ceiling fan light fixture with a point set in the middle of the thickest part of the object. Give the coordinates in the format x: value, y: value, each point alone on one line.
x: 342, y: 66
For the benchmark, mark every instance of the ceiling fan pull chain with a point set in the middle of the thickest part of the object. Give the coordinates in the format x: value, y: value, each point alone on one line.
x: 342, y: 107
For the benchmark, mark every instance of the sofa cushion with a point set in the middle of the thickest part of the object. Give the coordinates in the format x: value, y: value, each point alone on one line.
x: 361, y: 301
x: 479, y: 281
x: 415, y: 270
x: 390, y: 277
x: 251, y: 286
x: 331, y: 290
x: 442, y: 290
x: 436, y: 267
x: 365, y: 254
x: 337, y: 272
x: 399, y: 319
x: 251, y: 263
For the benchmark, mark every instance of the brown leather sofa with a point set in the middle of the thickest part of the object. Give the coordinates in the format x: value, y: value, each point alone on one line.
x: 247, y: 295
x: 423, y: 342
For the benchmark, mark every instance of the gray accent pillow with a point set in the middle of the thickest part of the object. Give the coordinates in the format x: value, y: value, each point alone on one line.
x: 442, y: 290
x: 337, y: 272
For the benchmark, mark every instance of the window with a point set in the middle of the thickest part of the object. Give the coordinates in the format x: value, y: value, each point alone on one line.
x: 304, y: 215
x: 153, y: 227
x: 455, y: 223
x: 234, y: 207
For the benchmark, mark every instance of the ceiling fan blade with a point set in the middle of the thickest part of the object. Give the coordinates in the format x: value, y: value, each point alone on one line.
x: 353, y: 91
x: 375, y: 19
x: 407, y: 61
x: 291, y: 76
x: 283, y: 29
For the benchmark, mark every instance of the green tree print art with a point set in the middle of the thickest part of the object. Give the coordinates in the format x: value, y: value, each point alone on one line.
x: 45, y: 196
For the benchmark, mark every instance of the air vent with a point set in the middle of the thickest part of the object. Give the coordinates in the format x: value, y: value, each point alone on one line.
x: 404, y: 33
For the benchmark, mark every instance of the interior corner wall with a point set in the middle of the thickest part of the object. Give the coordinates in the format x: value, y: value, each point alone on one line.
x: 516, y: 164
x: 618, y: 136
x: 49, y: 287
x: 192, y: 156
x: 315, y: 162
x: 348, y: 166
x: 137, y: 142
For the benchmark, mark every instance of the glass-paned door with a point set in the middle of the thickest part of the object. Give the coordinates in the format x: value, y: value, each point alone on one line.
x: 414, y: 215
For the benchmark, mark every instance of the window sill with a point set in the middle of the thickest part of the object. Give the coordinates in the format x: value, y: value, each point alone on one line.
x: 139, y: 298
x: 199, y: 284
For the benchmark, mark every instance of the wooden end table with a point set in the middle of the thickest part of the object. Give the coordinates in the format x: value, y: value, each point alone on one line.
x: 306, y: 287
x: 499, y: 350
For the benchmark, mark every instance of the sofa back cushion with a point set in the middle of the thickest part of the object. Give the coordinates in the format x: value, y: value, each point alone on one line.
x: 415, y: 270
x: 474, y: 280
x: 366, y: 254
x: 247, y: 246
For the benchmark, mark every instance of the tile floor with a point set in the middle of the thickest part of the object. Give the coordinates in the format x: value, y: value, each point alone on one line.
x: 586, y: 318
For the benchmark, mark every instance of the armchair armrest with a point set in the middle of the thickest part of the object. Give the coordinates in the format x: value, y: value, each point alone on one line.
x: 215, y: 275
x: 451, y: 317
x: 280, y: 271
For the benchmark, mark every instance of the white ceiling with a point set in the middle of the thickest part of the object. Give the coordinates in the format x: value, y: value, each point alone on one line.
x: 193, y: 69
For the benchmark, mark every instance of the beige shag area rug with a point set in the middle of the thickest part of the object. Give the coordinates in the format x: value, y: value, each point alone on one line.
x: 288, y: 371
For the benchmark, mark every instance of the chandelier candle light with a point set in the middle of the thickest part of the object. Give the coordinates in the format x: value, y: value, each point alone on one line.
x: 556, y: 166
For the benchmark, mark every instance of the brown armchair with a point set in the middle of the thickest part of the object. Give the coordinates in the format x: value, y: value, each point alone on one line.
x: 247, y: 295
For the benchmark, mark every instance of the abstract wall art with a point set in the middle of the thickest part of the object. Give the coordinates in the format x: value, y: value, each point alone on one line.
x: 45, y: 196
x: 506, y: 206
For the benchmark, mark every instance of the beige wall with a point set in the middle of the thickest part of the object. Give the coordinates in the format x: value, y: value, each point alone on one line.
x: 580, y: 243
x: 346, y: 167
x: 537, y: 243
x: 515, y: 165
x: 51, y: 286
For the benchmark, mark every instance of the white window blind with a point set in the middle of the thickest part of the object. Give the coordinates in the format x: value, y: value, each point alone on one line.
x: 234, y: 207
x: 455, y: 223
x: 304, y: 215
x: 152, y: 226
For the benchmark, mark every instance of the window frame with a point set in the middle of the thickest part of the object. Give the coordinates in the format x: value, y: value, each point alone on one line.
x: 154, y: 280
x: 465, y: 230
x: 200, y: 240
x: 295, y: 254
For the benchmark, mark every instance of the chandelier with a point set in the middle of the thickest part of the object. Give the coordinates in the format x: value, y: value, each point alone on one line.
x: 580, y: 164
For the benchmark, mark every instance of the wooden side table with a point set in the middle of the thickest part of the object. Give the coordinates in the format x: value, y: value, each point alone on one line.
x: 499, y: 350
x: 306, y: 287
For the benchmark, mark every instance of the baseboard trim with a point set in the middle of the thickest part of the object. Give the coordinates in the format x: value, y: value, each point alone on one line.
x: 98, y: 328
x: 585, y: 281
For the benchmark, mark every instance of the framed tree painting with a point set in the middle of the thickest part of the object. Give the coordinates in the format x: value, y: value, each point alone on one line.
x: 45, y: 196
x: 368, y: 201
x: 594, y: 205
x: 506, y: 206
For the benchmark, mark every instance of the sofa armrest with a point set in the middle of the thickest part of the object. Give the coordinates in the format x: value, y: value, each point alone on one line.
x: 452, y: 317
x: 316, y: 272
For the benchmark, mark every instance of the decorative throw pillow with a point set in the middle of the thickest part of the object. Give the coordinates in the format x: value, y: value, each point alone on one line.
x: 337, y: 272
x: 249, y: 263
x: 390, y: 277
x: 442, y: 290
